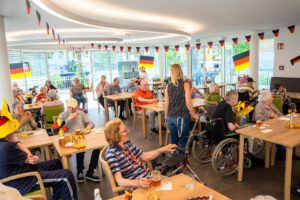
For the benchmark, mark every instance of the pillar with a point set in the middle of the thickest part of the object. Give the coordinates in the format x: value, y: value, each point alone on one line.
x: 162, y: 62
x: 189, y: 63
x: 254, y: 57
x: 5, y: 80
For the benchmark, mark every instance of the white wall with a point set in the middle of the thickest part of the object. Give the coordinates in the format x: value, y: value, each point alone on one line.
x: 290, y: 51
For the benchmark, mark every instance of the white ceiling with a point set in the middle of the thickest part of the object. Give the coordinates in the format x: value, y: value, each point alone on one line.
x: 136, y: 22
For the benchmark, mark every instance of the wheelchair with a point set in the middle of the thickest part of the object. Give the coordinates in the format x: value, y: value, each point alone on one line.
x: 221, y: 150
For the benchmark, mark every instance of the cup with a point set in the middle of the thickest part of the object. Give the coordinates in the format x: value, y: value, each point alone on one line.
x: 258, y: 123
x: 155, y: 178
x: 77, y: 132
x: 61, y: 141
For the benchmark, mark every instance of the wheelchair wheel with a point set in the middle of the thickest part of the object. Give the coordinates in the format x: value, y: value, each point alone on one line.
x: 247, y: 163
x: 225, y: 157
x: 202, y: 151
x: 258, y: 146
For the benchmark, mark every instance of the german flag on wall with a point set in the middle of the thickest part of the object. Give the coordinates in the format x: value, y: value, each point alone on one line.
x: 241, y: 61
x: 19, y: 70
x: 295, y: 60
x: 146, y: 61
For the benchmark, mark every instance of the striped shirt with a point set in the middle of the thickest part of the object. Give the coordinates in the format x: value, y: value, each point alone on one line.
x: 127, y: 161
x: 253, y: 93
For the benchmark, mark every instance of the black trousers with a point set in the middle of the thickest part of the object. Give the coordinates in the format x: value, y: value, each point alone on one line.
x: 93, y: 161
x: 101, y: 100
x: 121, y: 103
x: 61, y: 180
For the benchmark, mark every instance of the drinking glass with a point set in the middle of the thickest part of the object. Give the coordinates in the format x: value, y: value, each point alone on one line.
x: 155, y: 178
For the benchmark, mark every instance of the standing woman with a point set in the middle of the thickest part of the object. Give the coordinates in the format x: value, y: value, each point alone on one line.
x: 100, y: 89
x: 178, y: 107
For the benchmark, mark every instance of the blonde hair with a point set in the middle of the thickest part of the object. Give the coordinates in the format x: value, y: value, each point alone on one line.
x: 176, y: 74
x: 112, y: 131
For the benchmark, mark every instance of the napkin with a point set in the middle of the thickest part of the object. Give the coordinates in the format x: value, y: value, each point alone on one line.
x: 267, y: 131
x: 166, y: 186
x: 284, y: 118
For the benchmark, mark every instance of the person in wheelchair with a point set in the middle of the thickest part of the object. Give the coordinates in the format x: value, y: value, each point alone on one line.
x: 126, y: 160
x: 214, y: 93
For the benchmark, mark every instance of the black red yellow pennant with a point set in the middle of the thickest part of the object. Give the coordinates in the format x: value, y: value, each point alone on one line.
x: 121, y: 49
x: 198, y: 46
x: 210, y: 44
x: 156, y: 49
x: 28, y: 7
x: 138, y: 49
x: 248, y: 38
x: 48, y: 28
x: 187, y: 47
x: 105, y: 47
x: 146, y: 49
x: 38, y: 15
x: 276, y: 33
x: 128, y: 49
x: 166, y: 49
x: 177, y: 48
x: 222, y: 42
x: 261, y: 36
x: 295, y: 60
x: 291, y: 28
x: 53, y: 34
x: 235, y: 41
x: 113, y: 48
x: 92, y: 45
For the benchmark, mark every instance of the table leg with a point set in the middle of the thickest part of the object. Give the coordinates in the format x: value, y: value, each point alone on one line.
x: 241, y: 158
x: 106, y: 109
x: 116, y: 108
x: 66, y: 162
x: 267, y: 155
x: 127, y: 108
x: 273, y: 153
x: 100, y: 169
x: 159, y: 129
x: 144, y: 118
x: 47, y: 152
x: 288, y: 173
x: 43, y: 155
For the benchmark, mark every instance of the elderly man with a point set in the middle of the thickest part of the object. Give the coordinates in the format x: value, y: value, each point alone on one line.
x: 77, y: 119
x: 249, y: 87
x: 143, y: 95
x: 42, y: 97
x: 114, y: 88
x: 214, y: 93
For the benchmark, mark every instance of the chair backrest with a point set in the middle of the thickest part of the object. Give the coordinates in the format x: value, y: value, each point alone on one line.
x: 50, y: 112
x: 216, y: 129
x: 278, y: 101
x: 244, y: 96
x: 210, y: 108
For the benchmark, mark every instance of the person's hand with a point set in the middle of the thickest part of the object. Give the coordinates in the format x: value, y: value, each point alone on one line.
x: 72, y: 116
x: 169, y: 148
x: 195, y: 117
x: 145, y: 183
x: 237, y: 126
x: 154, y: 100
x: 272, y: 116
x: 32, y: 159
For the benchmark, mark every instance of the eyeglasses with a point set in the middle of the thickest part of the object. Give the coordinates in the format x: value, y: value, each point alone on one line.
x: 124, y: 131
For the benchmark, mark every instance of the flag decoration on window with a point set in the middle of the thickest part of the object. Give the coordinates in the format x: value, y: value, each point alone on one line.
x: 146, y: 49
x: 28, y: 7
x: 291, y: 28
x: 113, y: 48
x: 105, y: 47
x: 20, y: 70
x: 138, y: 49
x: 187, y: 47
x: 248, y: 38
x: 261, y: 36
x: 235, y: 41
x: 295, y: 60
x: 198, y: 46
x: 210, y: 44
x: 146, y: 61
x: 176, y: 48
x: 38, y: 15
x: 99, y: 47
x: 128, y: 49
x: 166, y: 49
x: 121, y: 49
x: 241, y: 61
x: 156, y: 49
x: 222, y: 42
x: 276, y: 33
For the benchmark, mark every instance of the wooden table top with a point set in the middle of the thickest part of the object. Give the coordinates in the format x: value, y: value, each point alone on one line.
x: 179, y: 191
x: 279, y: 135
x: 125, y: 95
x: 93, y: 140
x: 39, y: 138
x: 156, y: 83
x: 32, y: 107
x: 294, y: 95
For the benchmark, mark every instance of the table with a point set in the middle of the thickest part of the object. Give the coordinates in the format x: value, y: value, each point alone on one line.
x: 116, y: 98
x: 32, y: 107
x: 178, y: 191
x: 93, y: 140
x: 221, y: 85
x: 198, y: 102
x: 294, y: 95
x: 289, y: 138
x: 39, y: 139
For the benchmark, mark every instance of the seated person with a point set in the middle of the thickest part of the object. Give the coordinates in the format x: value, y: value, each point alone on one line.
x: 52, y: 100
x: 249, y: 87
x: 16, y: 86
x: 115, y: 89
x: 49, y: 85
x: 265, y: 109
x: 77, y: 92
x: 101, y: 87
x: 42, y: 97
x: 281, y: 90
x: 77, y: 119
x: 214, y: 93
x: 15, y: 158
x: 34, y: 91
x: 142, y: 96
x: 125, y: 159
x: 25, y: 118
x: 17, y: 96
x: 194, y: 91
x: 131, y: 87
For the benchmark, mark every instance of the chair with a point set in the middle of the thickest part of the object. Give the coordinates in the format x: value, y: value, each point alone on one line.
x: 39, y: 194
x: 136, y: 115
x: 49, y: 113
x: 210, y: 107
x: 278, y: 102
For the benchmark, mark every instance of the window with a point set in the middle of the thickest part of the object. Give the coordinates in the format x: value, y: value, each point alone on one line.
x: 266, y: 63
x: 179, y: 57
x: 212, y: 66
x: 198, y: 60
x: 101, y: 66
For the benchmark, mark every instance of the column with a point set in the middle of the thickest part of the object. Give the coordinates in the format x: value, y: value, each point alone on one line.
x: 189, y: 63
x: 162, y: 62
x: 254, y: 57
x: 5, y: 83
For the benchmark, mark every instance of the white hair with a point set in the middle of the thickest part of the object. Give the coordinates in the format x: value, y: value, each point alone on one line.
x: 266, y: 95
x: 213, y: 88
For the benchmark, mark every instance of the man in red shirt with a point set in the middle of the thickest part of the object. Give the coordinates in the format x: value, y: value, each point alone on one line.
x: 143, y: 95
x: 42, y: 96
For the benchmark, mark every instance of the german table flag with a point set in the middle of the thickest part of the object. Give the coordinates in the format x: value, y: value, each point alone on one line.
x: 295, y: 60
x: 17, y: 70
x: 241, y: 61
x: 146, y: 61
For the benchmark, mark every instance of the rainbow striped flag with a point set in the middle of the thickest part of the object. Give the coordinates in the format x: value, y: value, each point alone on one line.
x: 241, y: 61
x: 146, y: 61
x: 19, y: 70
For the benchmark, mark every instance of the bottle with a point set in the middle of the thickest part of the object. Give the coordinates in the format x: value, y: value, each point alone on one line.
x: 97, y: 194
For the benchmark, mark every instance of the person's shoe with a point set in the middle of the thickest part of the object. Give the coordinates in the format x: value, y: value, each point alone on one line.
x: 92, y: 177
x: 296, y: 192
x: 122, y: 117
x: 80, y: 177
x: 154, y: 130
x: 131, y: 113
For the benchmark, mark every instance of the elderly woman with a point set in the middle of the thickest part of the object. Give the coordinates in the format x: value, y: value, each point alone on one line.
x: 53, y: 100
x: 42, y: 97
x: 25, y: 118
x: 78, y: 91
x: 214, y: 93
x: 265, y: 109
x: 49, y: 85
x: 100, y: 89
x: 126, y: 160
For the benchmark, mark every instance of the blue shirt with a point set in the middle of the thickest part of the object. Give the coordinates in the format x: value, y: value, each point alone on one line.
x: 122, y: 160
x: 133, y: 89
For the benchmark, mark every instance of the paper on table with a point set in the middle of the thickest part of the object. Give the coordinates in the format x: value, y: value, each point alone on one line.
x: 284, y: 118
x: 98, y: 130
x: 165, y: 186
x: 267, y: 131
x: 39, y: 131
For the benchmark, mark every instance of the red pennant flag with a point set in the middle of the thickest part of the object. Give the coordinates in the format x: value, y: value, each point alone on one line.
x: 48, y: 28
x: 166, y: 49
x: 177, y: 48
x: 261, y: 36
x: 38, y: 15
x: 235, y: 40
x: 222, y: 42
x: 187, y: 47
x: 53, y: 34
x: 292, y: 28
x: 210, y: 44
x: 105, y: 47
x: 138, y: 49
x: 28, y: 7
x: 58, y: 37
x: 113, y: 48
x: 248, y: 38
x: 121, y: 49
x: 276, y: 32
x: 92, y: 45
x: 63, y: 42
x: 156, y: 49
x: 99, y: 47
x: 198, y: 46
x: 146, y: 49
x: 128, y: 49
